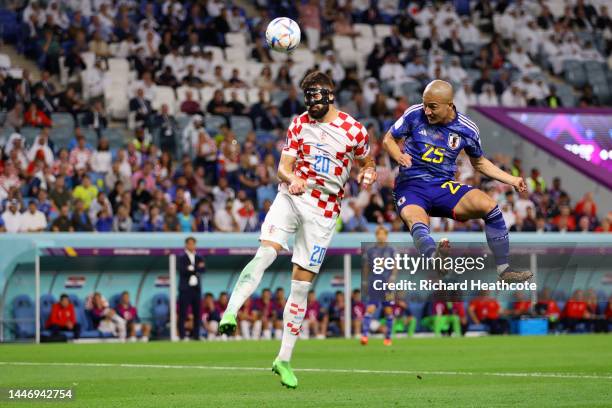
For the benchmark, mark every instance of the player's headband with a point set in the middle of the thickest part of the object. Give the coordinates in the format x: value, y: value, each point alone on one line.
x: 318, y: 96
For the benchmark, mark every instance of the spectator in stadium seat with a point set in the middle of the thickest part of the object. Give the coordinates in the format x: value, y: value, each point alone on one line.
x: 68, y: 101
x: 62, y: 223
x: 186, y: 219
x: 95, y: 118
x: 486, y: 310
x: 129, y: 313
x: 36, y: 118
x: 171, y: 222
x: 80, y: 219
x: 33, y: 220
x: 357, y: 106
x: 552, y: 100
x: 204, y: 217
x: 608, y: 313
x: 101, y: 158
x: 189, y: 106
x: 564, y: 221
x: 12, y: 217
x: 141, y: 108
x: 122, y: 222
x: 145, y: 174
x: 292, y: 106
x: 224, y: 218
x: 218, y: 106
x: 465, y: 97
x: 85, y: 192
x: 190, y: 267
x: 104, y: 221
x: 575, y: 312
x: 586, y: 206
x: 488, y: 96
x: 237, y: 107
x: 357, y: 222
x: 152, y: 221
x: 81, y: 154
x: 63, y: 317
x: 14, y: 118
x: 59, y: 194
x: 588, y: 98
x: 271, y: 119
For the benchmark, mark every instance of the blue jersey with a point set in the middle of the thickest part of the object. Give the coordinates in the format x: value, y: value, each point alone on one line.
x: 434, y: 148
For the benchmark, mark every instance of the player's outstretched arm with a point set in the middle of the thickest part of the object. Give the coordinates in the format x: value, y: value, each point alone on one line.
x: 390, y: 144
x: 285, y: 173
x: 484, y: 166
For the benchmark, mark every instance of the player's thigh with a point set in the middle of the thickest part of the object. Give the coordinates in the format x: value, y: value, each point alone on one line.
x: 412, y: 214
x: 474, y: 204
x: 281, y: 221
x: 311, y: 242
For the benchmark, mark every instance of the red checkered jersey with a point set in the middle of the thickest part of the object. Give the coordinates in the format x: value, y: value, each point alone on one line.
x: 325, y: 153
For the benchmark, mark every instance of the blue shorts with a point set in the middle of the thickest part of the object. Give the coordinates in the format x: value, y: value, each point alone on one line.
x: 437, y: 198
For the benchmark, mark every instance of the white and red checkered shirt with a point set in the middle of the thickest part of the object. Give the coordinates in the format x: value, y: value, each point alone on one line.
x: 325, y: 153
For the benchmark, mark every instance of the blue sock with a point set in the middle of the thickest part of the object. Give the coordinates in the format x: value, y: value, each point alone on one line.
x: 497, y: 236
x: 365, y: 326
x: 422, y: 240
x: 389, y: 323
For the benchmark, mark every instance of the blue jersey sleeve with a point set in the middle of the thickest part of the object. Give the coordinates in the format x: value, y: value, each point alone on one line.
x: 472, y: 137
x: 402, y: 127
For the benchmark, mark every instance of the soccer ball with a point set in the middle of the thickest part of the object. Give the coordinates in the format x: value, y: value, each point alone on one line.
x: 283, y: 34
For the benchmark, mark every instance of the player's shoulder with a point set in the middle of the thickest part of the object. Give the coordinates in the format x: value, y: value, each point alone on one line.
x: 353, y: 128
x: 413, y: 111
x: 299, y: 121
x: 469, y: 127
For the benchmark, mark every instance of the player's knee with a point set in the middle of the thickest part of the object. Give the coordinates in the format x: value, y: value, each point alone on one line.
x: 270, y: 244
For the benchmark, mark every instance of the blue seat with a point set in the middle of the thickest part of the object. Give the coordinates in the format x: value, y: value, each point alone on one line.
x: 24, y: 314
x: 114, y: 300
x: 241, y: 125
x: 213, y: 123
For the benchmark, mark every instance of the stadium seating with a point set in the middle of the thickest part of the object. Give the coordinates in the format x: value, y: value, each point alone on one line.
x: 23, y: 316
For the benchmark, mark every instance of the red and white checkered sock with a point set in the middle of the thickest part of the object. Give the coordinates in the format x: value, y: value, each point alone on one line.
x: 293, y: 316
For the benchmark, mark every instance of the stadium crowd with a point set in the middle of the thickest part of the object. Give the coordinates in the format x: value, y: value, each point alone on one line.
x: 187, y: 163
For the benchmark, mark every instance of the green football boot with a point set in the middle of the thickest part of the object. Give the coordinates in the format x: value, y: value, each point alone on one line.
x: 284, y: 370
x: 227, y: 325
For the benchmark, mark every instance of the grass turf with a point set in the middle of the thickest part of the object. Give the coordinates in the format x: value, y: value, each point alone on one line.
x: 116, y: 386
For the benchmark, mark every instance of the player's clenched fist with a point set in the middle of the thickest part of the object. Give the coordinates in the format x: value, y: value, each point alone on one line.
x: 367, y: 176
x: 404, y: 160
x: 297, y: 186
x: 519, y: 184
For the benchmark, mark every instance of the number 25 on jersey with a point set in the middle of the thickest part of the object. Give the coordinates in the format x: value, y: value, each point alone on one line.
x: 433, y: 154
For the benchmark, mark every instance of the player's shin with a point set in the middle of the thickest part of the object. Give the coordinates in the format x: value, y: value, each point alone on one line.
x: 423, y: 242
x: 389, y: 325
x: 250, y: 277
x: 293, y: 316
x: 365, y: 327
x: 497, y: 238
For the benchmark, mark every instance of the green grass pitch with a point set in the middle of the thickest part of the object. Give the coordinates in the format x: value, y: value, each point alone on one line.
x: 553, y: 371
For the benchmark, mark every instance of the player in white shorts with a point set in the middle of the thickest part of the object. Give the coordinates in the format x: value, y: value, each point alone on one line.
x: 322, y: 145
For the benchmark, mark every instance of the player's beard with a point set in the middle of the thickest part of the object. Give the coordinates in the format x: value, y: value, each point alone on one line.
x: 318, y: 111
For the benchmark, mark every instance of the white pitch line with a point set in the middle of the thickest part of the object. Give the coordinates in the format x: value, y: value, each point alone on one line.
x: 323, y: 370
